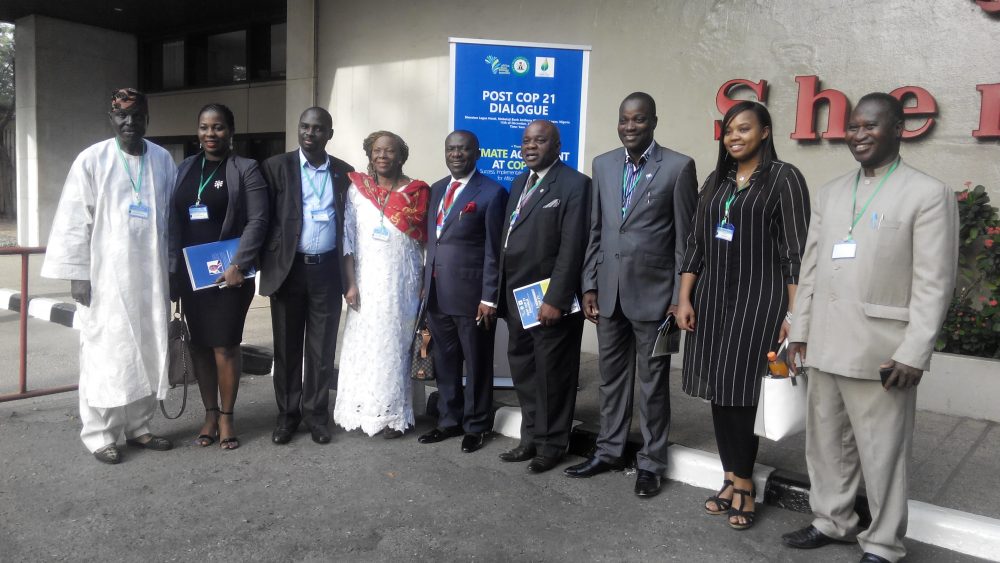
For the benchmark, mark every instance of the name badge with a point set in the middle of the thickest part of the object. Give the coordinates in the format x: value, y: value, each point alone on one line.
x: 138, y: 210
x: 845, y: 249
x: 198, y: 213
x: 381, y: 233
x: 320, y: 215
x: 725, y: 232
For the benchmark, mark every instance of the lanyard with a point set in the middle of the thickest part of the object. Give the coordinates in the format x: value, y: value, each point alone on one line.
x: 202, y: 181
x: 854, y: 200
x: 626, y: 189
x: 136, y: 188
x: 322, y: 187
x: 729, y: 202
x: 520, y: 201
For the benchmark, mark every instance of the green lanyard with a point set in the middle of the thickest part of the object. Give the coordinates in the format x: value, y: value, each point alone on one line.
x: 854, y: 200
x: 136, y: 188
x: 322, y: 187
x: 729, y: 201
x: 204, y: 181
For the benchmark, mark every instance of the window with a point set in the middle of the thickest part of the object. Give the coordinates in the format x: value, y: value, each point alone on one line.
x: 173, y: 64
x: 278, y: 34
x: 255, y: 52
x: 226, y: 58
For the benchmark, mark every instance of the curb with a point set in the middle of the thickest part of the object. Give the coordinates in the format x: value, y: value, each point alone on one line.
x: 256, y: 359
x: 959, y: 531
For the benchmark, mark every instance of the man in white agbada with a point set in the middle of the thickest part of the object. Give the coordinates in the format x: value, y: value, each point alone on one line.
x: 109, y: 238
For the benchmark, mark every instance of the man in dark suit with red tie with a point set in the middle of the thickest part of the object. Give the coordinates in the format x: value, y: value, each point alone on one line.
x: 545, y: 237
x: 464, y: 224
x: 300, y: 271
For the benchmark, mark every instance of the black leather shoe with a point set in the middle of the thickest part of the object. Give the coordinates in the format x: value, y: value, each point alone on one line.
x: 872, y: 558
x: 543, y: 463
x: 647, y: 484
x: 440, y: 434
x: 594, y: 466
x: 473, y: 441
x: 808, y: 538
x: 281, y: 435
x: 320, y: 434
x: 520, y: 453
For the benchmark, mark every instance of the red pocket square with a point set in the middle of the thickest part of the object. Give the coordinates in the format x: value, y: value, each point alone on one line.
x: 470, y: 207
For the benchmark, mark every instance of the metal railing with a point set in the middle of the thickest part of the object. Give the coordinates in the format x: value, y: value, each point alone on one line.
x: 24, y: 252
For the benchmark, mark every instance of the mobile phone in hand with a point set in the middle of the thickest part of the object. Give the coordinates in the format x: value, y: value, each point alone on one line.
x: 883, y: 374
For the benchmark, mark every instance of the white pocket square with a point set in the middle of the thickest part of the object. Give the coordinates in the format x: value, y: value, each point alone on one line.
x: 552, y: 204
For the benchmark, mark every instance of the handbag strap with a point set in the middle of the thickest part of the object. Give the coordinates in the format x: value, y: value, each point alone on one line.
x: 425, y: 342
x: 179, y: 314
x: 184, y: 401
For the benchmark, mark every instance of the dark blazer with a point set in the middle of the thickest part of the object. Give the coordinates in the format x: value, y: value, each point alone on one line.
x: 466, y: 256
x: 635, y: 259
x: 549, y: 238
x: 246, y: 215
x: 283, y: 173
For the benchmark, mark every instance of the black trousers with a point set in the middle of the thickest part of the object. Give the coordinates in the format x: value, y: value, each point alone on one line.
x: 305, y: 317
x: 735, y: 438
x: 457, y: 340
x: 545, y: 367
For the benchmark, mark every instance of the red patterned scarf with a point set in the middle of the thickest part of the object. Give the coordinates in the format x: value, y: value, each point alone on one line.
x: 406, y: 209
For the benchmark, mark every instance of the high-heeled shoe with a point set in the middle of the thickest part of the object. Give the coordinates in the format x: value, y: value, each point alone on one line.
x: 232, y: 442
x: 205, y: 440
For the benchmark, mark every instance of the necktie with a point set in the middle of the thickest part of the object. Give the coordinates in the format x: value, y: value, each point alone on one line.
x: 529, y: 189
x: 449, y: 198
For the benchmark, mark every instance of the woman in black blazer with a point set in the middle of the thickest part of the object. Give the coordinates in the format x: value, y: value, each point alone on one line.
x: 218, y: 196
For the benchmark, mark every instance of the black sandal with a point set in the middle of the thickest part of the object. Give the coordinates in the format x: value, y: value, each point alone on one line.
x: 724, y: 504
x: 737, y: 512
x: 204, y: 440
x: 232, y: 442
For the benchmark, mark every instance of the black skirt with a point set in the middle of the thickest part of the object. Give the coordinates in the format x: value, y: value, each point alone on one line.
x: 215, y: 316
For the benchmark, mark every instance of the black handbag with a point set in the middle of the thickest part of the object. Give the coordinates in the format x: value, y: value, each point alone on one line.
x: 180, y: 369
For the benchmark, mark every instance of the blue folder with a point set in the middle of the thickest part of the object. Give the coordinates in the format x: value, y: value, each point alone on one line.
x: 206, y: 262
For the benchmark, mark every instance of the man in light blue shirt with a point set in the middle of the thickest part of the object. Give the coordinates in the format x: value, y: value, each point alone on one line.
x: 301, y: 272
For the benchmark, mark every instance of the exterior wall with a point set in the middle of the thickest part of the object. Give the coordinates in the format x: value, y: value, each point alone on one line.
x: 65, y: 75
x: 387, y: 67
x: 258, y: 108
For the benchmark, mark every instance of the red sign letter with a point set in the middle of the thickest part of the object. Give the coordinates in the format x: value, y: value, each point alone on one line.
x: 989, y: 6
x: 989, y: 113
x: 723, y: 102
x: 805, y: 112
x: 925, y: 106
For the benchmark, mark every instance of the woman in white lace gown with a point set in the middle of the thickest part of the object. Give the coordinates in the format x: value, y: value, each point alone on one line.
x: 384, y: 233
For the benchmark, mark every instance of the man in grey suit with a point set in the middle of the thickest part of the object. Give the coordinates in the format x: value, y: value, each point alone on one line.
x: 870, y: 302
x: 643, y: 200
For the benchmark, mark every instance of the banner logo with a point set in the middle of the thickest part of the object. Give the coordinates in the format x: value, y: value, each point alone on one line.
x: 545, y: 67
x: 520, y: 66
x: 496, y: 66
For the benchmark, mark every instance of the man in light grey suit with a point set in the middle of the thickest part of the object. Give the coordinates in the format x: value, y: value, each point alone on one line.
x: 643, y: 201
x: 870, y: 302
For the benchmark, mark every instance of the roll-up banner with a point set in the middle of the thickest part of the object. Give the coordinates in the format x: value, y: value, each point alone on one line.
x: 499, y: 87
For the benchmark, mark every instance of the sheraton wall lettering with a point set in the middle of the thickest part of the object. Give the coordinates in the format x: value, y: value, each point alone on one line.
x: 918, y: 104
